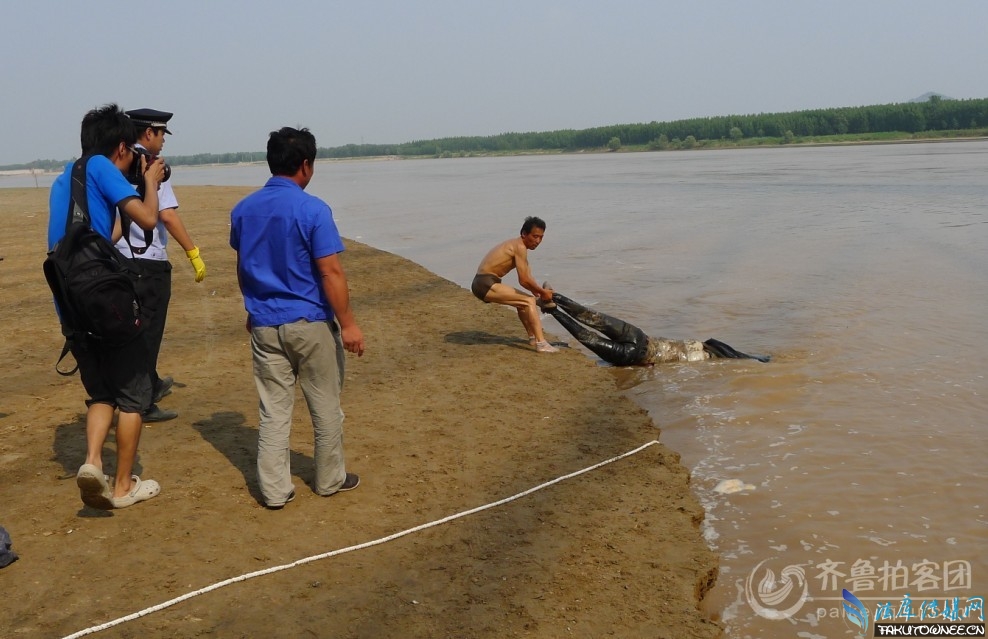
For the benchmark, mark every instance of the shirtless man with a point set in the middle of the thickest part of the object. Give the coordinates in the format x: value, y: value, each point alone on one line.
x: 499, y: 261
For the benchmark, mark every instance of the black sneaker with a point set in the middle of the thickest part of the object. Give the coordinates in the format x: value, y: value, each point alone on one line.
x: 351, y: 482
x: 156, y: 414
x: 164, y: 388
x: 291, y: 497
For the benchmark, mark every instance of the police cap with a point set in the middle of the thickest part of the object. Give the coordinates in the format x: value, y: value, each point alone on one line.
x: 153, y: 118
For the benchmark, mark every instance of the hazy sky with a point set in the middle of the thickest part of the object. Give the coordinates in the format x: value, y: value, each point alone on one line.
x: 383, y: 71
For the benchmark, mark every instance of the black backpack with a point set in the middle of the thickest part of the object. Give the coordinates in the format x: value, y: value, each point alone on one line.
x: 92, y: 282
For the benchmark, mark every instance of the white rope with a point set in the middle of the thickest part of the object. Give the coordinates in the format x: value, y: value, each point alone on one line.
x: 333, y: 553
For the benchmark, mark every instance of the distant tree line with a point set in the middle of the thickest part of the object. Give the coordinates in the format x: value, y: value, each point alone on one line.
x: 931, y: 118
x: 177, y: 160
x: 934, y: 115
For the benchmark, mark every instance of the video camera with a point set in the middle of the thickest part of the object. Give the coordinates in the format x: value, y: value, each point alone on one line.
x: 134, y: 173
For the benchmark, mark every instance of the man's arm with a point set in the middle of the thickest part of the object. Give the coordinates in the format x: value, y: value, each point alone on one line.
x: 176, y: 228
x: 144, y: 212
x: 525, y: 277
x: 337, y: 291
x: 240, y: 285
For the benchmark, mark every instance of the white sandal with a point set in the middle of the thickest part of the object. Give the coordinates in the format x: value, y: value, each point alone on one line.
x: 140, y: 491
x: 94, y: 487
x: 545, y: 347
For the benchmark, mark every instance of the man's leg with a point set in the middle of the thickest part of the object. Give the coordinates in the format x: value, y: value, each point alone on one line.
x: 115, y: 377
x: 155, y: 290
x: 128, y: 437
x: 525, y: 305
x: 526, y: 321
x: 320, y: 372
x: 101, y: 403
x: 274, y: 377
x: 127, y: 372
x: 99, y: 418
x: 94, y: 489
x: 155, y: 293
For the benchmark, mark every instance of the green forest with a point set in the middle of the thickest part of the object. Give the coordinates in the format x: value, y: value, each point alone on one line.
x: 935, y: 118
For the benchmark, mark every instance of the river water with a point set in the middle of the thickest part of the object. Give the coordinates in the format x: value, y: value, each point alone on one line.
x: 862, y: 271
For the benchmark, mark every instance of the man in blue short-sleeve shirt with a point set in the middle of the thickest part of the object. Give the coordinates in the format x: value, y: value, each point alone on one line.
x: 298, y: 314
x: 105, y: 187
x: 276, y: 253
x: 115, y: 377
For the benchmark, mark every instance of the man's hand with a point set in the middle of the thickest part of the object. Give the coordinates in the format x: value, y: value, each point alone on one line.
x: 154, y: 172
x: 353, y: 339
x: 197, y: 263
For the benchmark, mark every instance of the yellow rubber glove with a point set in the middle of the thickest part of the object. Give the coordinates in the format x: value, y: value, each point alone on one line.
x: 197, y: 263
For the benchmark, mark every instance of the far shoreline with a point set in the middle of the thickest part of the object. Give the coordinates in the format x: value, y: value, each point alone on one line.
x: 538, y: 152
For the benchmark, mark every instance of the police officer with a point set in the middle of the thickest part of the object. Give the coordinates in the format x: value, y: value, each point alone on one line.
x: 149, y: 248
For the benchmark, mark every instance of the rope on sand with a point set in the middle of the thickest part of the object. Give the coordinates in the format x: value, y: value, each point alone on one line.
x: 368, y: 544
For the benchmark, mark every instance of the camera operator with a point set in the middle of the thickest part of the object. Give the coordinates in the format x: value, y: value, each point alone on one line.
x: 115, y: 377
x: 149, y: 248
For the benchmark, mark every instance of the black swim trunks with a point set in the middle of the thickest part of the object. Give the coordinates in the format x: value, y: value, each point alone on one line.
x: 482, y: 283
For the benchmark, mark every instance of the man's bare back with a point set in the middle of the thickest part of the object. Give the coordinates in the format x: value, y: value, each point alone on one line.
x: 500, y: 260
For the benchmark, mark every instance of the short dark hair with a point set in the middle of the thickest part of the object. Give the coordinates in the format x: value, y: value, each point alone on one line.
x: 104, y: 128
x: 288, y: 148
x: 532, y: 222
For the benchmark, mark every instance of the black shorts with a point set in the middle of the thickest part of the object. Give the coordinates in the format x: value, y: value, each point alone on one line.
x: 115, y: 375
x: 482, y: 283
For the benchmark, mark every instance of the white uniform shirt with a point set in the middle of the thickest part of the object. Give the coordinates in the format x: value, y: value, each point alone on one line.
x: 157, y: 249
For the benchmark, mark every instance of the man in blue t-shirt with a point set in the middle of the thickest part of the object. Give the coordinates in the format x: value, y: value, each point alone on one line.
x: 115, y: 377
x: 298, y: 314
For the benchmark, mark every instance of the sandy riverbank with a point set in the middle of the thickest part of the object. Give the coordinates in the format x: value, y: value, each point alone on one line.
x: 448, y: 410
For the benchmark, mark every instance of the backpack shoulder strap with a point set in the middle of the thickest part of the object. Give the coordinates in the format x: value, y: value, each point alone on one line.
x: 65, y: 351
x: 78, y: 198
x: 125, y: 225
x: 78, y: 214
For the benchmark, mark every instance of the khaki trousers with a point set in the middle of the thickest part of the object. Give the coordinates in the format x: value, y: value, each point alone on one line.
x: 310, y: 353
